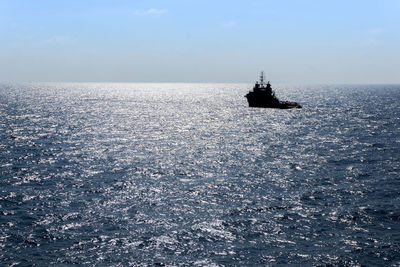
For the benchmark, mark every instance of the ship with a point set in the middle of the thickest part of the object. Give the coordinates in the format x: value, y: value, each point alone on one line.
x: 263, y: 96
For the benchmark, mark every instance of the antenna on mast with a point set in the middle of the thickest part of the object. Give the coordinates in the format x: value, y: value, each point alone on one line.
x: 262, y: 78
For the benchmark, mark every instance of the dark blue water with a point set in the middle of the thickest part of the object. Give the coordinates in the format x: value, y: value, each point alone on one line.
x: 187, y: 174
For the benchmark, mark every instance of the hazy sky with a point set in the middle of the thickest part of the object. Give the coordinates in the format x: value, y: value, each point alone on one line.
x: 293, y: 41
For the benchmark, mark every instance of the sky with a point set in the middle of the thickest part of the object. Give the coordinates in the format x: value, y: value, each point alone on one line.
x: 293, y: 41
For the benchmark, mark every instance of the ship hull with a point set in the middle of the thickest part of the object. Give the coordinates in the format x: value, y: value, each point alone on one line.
x: 263, y: 102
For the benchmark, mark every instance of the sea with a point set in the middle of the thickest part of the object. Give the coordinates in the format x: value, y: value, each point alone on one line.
x: 186, y: 174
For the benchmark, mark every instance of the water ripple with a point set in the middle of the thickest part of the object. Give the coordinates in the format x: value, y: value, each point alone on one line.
x: 187, y: 174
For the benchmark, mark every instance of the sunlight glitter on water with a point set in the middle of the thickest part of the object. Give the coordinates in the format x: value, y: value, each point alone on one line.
x: 187, y: 174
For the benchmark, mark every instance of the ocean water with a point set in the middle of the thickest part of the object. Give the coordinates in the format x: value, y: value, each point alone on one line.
x: 188, y: 175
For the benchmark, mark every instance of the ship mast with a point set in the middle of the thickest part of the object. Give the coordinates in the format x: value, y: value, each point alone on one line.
x: 262, y: 78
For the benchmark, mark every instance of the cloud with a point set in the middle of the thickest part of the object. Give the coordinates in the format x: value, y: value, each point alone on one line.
x: 228, y: 24
x: 151, y: 11
x: 57, y: 41
x: 155, y: 11
x: 373, y: 37
x: 375, y: 31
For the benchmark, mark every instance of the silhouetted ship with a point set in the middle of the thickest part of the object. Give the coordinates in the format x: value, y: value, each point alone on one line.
x: 262, y: 96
